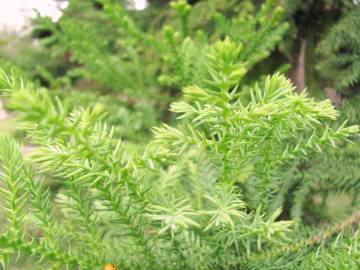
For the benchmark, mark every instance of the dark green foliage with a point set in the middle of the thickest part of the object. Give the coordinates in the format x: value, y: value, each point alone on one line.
x: 341, y: 52
x: 255, y: 36
x: 135, y: 64
x: 244, y: 177
x: 112, y: 192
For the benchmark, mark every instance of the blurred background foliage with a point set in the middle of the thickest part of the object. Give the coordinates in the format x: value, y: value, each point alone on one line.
x: 135, y: 64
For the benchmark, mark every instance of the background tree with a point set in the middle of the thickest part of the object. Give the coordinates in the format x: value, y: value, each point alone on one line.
x: 244, y: 173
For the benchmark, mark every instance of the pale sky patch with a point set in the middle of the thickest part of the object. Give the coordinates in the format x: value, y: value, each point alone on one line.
x: 139, y: 4
x: 15, y: 15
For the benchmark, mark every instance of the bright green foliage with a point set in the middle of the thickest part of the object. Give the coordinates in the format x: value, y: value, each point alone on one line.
x: 306, y: 188
x: 113, y: 64
x: 228, y: 127
x: 187, y: 202
x: 256, y: 34
x: 137, y: 64
x: 132, y: 119
x: 118, y: 61
x: 342, y: 253
x: 227, y: 185
x: 324, y: 186
x: 341, y: 51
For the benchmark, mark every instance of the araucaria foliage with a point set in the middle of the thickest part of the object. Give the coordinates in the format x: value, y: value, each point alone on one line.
x: 204, y: 192
x: 183, y: 203
x: 341, y: 51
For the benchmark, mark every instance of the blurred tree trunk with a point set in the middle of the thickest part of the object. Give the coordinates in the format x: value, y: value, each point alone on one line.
x: 298, y: 74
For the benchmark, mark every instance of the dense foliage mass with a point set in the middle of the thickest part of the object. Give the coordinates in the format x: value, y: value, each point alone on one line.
x: 243, y: 171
